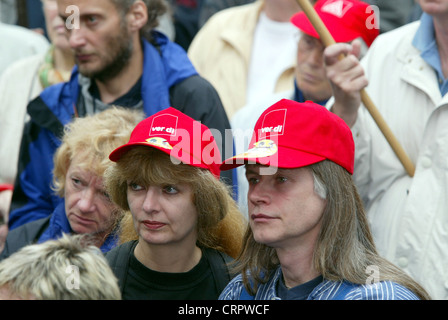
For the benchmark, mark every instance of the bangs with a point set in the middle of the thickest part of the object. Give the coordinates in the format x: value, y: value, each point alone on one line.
x: 149, y: 166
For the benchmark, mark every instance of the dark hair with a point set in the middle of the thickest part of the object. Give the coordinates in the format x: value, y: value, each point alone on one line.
x: 155, y: 8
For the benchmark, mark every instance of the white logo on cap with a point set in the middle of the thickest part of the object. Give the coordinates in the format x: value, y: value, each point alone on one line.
x: 167, y: 130
x: 164, y: 124
x: 278, y: 128
x: 337, y: 8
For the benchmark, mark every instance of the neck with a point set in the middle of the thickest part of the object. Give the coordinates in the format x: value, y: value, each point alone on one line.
x: 112, y: 89
x: 98, y: 239
x: 441, y: 33
x: 281, y: 10
x: 297, y: 266
x: 167, y: 258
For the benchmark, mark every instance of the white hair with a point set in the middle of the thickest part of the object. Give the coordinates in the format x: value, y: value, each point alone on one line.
x: 69, y: 268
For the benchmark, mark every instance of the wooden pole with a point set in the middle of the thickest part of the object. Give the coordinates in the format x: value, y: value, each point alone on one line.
x: 328, y: 40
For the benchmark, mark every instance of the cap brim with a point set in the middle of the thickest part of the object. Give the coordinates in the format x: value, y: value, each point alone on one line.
x: 290, y: 158
x: 186, y: 157
x: 120, y: 151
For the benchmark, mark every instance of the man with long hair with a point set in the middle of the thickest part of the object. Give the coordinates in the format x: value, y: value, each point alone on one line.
x: 309, y: 236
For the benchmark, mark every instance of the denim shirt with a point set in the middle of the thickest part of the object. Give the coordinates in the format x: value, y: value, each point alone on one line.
x: 326, y: 290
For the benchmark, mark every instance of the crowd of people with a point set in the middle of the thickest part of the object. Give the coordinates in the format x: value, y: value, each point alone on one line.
x: 205, y: 150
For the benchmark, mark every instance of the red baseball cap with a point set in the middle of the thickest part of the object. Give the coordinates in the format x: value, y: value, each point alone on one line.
x: 346, y: 20
x: 178, y: 135
x: 290, y: 134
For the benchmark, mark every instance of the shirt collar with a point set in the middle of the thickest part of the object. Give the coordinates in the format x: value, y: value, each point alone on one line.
x: 425, y: 41
x: 299, y: 97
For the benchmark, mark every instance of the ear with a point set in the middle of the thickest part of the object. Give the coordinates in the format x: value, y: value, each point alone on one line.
x: 137, y: 16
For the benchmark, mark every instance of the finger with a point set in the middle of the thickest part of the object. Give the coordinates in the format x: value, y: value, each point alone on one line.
x: 347, y: 65
x: 356, y: 48
x: 333, y: 53
x: 350, y: 79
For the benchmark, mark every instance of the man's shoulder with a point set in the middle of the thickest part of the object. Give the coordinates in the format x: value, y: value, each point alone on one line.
x: 56, y: 101
x: 196, y: 97
x: 193, y: 92
x: 23, y: 235
x: 382, y: 290
x: 192, y: 83
x: 233, y: 289
x: 398, y: 35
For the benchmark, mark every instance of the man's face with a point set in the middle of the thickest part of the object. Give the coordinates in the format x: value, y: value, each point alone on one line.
x: 284, y: 210
x: 99, y: 37
x: 435, y: 7
x: 310, y: 70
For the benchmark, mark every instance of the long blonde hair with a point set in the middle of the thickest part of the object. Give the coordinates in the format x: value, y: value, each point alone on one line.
x: 345, y: 247
x: 221, y: 225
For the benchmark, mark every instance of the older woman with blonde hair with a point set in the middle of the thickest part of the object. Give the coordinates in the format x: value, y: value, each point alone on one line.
x: 183, y: 226
x: 80, y: 163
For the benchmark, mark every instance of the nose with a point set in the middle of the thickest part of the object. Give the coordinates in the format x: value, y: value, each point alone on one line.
x: 87, y: 201
x: 315, y: 57
x: 151, y: 203
x: 259, y: 193
x: 76, y: 38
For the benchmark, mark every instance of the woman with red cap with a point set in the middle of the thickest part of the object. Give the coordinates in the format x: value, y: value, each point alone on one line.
x: 183, y: 226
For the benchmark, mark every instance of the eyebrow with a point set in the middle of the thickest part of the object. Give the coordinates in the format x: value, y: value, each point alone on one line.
x: 257, y: 165
x: 249, y: 170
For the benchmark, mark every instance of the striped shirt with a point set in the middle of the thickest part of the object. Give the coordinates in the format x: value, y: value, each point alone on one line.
x: 326, y: 290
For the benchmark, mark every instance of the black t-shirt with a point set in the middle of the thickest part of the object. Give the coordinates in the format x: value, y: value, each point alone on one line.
x: 144, y: 283
x: 300, y: 292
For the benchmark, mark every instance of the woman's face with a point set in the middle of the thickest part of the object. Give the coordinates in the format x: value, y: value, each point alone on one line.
x: 55, y: 25
x: 163, y: 214
x: 87, y: 205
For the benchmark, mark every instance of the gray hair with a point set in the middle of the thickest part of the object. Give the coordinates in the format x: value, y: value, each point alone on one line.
x: 319, y: 187
x: 69, y: 268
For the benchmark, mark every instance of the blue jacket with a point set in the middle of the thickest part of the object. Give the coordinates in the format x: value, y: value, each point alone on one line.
x: 326, y: 290
x: 169, y: 79
x: 59, y: 224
